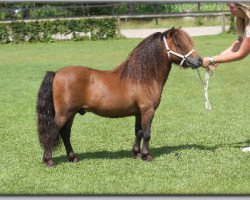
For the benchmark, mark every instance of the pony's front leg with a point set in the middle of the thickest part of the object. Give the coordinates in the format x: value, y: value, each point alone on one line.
x: 138, y: 136
x: 147, y: 118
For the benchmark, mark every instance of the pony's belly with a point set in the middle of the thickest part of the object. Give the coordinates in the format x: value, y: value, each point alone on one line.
x: 113, y: 112
x: 108, y: 101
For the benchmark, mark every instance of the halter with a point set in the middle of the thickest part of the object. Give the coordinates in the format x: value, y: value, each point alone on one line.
x: 184, y: 58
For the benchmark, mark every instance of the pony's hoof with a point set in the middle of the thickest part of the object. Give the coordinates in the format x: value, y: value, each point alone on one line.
x: 49, y: 163
x: 136, y: 153
x: 73, y: 159
x: 147, y: 157
x: 137, y: 156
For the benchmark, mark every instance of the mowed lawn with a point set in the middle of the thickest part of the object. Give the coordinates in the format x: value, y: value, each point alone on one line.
x: 195, y: 151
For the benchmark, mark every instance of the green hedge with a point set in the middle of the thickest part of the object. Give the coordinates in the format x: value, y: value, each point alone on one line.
x: 42, y: 31
x: 232, y: 25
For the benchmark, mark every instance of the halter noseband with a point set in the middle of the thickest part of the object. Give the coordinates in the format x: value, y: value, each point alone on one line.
x: 184, y: 58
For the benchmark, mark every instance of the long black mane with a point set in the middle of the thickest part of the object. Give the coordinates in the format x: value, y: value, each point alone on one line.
x: 144, y: 61
x: 148, y: 56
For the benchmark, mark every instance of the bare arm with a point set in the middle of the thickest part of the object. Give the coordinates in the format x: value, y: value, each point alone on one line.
x: 237, y: 51
x: 233, y: 48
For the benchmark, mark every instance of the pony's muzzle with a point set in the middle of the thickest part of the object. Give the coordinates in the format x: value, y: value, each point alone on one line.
x: 194, y: 62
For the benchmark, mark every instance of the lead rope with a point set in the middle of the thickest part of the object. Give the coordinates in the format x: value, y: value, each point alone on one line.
x: 205, y: 84
x: 184, y: 58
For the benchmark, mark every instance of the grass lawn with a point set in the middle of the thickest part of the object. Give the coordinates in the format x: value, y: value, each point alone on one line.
x: 195, y: 151
x: 172, y: 21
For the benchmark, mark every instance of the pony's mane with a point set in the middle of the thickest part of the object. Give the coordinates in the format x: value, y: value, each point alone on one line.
x: 144, y: 61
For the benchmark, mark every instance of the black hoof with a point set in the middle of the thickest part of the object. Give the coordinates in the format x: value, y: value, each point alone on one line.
x: 137, y: 156
x: 73, y: 159
x: 147, y: 157
x: 49, y: 163
x: 136, y: 153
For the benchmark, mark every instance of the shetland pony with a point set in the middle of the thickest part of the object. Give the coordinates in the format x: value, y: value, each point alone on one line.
x: 133, y: 88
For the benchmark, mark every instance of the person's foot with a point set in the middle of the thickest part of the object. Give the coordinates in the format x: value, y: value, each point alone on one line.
x: 246, y: 149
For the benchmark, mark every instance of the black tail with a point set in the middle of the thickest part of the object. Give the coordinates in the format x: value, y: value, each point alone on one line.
x: 47, y: 130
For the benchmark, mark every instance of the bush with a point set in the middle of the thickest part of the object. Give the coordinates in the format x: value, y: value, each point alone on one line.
x: 45, y: 31
x: 4, y: 36
x: 200, y: 20
x: 232, y: 27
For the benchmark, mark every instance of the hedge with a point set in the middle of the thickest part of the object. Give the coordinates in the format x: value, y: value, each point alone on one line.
x: 232, y: 27
x: 45, y: 31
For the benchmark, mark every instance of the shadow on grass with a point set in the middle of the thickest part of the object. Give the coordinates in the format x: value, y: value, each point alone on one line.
x: 156, y: 152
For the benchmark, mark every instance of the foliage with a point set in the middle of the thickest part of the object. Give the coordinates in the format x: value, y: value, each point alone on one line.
x: 53, y: 10
x: 195, y: 151
x: 4, y: 36
x: 45, y: 31
x: 48, y: 11
x: 200, y: 20
x: 232, y: 26
x: 140, y: 8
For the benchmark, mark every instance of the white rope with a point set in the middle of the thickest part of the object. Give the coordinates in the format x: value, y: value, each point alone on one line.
x: 207, y: 102
x: 184, y: 58
x: 205, y: 84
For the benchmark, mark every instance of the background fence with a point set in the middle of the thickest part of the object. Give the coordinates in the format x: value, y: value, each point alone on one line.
x: 75, y: 14
x: 34, y: 10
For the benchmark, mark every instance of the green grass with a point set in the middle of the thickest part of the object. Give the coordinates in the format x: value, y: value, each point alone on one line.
x: 196, y: 151
x: 170, y: 22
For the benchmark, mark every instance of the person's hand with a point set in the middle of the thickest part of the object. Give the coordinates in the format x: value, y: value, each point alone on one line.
x: 206, y: 64
x: 212, y: 67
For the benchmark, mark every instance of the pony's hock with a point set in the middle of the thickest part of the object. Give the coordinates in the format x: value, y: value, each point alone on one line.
x: 132, y: 89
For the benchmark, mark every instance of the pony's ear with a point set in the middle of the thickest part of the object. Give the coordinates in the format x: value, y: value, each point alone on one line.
x: 169, y: 32
x: 165, y: 33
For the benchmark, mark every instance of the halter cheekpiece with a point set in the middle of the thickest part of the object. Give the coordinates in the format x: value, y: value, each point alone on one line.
x: 184, y: 58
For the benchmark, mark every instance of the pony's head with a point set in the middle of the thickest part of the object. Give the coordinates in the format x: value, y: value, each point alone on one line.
x: 180, y: 48
x: 156, y: 53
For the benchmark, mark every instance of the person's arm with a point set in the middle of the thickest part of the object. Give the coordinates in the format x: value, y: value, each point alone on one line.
x: 237, y: 51
x: 233, y: 48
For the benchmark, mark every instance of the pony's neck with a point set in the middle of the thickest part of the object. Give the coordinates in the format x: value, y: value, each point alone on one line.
x: 147, y: 62
x: 160, y: 78
x: 163, y: 75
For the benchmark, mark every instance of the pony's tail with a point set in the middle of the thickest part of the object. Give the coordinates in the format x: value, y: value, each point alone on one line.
x: 46, y: 127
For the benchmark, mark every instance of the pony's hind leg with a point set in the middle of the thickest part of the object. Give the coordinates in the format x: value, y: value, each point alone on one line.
x: 49, y: 142
x: 138, y: 137
x: 65, y: 134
